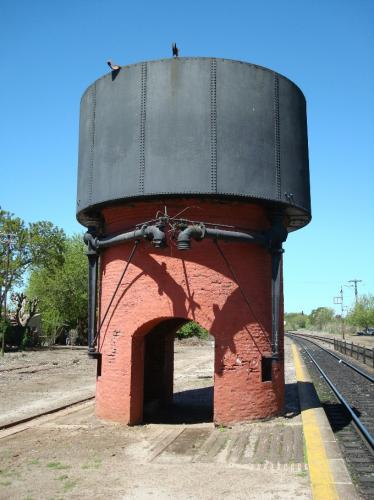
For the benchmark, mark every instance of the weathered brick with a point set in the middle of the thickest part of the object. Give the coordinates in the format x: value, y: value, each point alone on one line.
x: 162, y: 284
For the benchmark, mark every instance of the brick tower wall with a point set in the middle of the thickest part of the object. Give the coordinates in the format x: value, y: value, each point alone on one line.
x: 165, y: 287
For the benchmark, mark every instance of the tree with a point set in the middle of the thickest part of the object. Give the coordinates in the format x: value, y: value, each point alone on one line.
x: 294, y: 321
x: 321, y: 316
x: 62, y: 290
x: 24, y: 247
x: 24, y: 308
x: 362, y: 314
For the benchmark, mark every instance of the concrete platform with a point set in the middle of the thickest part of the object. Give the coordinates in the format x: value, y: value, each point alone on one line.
x: 329, y: 476
x: 74, y: 455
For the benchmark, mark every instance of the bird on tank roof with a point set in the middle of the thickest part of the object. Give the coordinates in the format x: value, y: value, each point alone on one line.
x: 175, y: 50
x: 112, y: 66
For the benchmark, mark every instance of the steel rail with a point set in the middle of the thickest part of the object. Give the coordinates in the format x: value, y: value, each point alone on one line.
x: 341, y: 360
x: 304, y: 335
x: 361, y: 427
x: 45, y: 413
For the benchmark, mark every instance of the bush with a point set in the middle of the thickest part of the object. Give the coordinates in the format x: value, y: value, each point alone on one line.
x: 13, y: 334
x: 192, y: 329
x: 295, y: 321
x: 362, y: 314
x: 321, y: 316
x: 30, y: 338
x: 4, y: 329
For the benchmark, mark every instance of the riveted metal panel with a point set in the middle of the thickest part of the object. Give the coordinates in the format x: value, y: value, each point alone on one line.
x: 245, y: 130
x: 177, y: 141
x: 116, y: 162
x: 86, y: 148
x: 293, y: 138
x: 194, y: 126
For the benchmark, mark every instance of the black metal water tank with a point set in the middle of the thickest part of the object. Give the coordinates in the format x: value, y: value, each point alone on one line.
x: 201, y: 127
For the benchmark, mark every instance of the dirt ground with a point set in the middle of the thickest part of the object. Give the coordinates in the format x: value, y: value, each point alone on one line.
x: 32, y: 382
x: 72, y: 454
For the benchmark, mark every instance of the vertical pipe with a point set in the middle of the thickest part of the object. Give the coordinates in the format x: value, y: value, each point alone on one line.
x: 276, y: 259
x: 92, y: 295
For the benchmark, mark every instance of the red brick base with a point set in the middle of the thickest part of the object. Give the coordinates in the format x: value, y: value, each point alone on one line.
x: 164, y: 287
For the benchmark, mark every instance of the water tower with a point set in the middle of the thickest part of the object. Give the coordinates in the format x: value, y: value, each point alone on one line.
x: 192, y: 172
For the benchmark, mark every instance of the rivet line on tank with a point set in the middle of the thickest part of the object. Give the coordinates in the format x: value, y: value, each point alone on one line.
x: 277, y: 137
x: 213, y: 125
x: 143, y: 102
x: 92, y: 134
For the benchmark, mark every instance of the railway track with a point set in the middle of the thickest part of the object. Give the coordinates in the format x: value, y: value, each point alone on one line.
x: 22, y: 424
x: 358, y: 352
x: 346, y: 392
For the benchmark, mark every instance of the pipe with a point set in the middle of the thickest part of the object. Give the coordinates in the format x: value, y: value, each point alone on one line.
x: 198, y: 232
x: 223, y: 234
x: 109, y: 241
x: 276, y: 235
x: 276, y: 259
x: 153, y: 233
x: 92, y: 291
x: 156, y: 235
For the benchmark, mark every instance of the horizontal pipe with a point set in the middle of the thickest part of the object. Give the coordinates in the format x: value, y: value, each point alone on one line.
x: 223, y: 234
x: 198, y: 232
x: 153, y: 233
x: 109, y: 241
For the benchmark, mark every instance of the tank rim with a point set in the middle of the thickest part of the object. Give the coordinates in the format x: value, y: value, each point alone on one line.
x: 193, y: 58
x: 87, y: 215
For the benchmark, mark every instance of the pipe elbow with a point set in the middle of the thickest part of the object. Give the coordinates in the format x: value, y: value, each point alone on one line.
x: 91, y: 242
x: 156, y: 235
x: 184, y: 237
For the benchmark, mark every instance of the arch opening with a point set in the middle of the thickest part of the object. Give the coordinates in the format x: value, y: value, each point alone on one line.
x: 177, y: 375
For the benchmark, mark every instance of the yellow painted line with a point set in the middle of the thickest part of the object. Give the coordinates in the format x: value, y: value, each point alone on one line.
x: 321, y: 478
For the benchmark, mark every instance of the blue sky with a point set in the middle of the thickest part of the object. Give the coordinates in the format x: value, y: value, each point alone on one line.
x: 52, y: 50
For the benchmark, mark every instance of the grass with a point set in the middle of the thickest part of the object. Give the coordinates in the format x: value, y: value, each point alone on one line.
x: 62, y: 478
x: 70, y: 484
x: 35, y: 461
x: 7, y: 473
x: 302, y: 474
x: 92, y: 464
x: 305, y: 454
x: 5, y: 483
x: 57, y: 466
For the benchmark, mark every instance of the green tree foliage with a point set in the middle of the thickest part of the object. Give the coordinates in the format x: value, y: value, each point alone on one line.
x: 191, y: 329
x: 62, y: 290
x: 24, y: 247
x: 362, y: 314
x: 295, y: 321
x: 321, y: 316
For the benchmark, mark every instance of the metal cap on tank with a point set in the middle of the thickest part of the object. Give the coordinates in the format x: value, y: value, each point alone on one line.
x: 201, y: 127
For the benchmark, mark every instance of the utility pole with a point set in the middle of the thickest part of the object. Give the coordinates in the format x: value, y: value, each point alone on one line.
x: 356, y: 288
x: 340, y: 300
x: 7, y: 240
